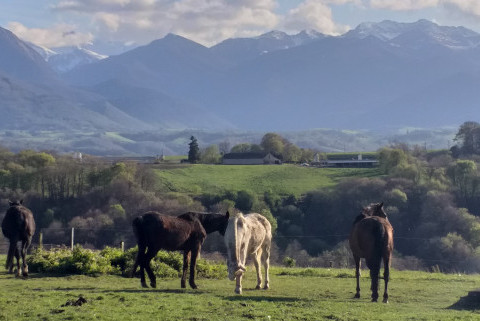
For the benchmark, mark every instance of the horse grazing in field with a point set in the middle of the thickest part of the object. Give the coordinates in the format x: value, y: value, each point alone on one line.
x: 372, y: 238
x: 187, y: 232
x: 18, y: 225
x: 248, y: 236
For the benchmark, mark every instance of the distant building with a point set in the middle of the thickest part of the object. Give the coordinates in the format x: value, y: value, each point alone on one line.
x: 77, y: 155
x: 253, y: 158
x: 359, y: 162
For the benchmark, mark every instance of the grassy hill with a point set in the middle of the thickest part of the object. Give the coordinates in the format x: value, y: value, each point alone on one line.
x: 280, y: 179
x: 295, y: 294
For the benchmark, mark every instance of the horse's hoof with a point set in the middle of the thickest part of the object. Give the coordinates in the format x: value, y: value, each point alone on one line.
x: 144, y: 285
x: 258, y: 287
x: 357, y: 296
x: 266, y: 287
x: 238, y: 291
x: 374, y: 300
x: 183, y: 286
x: 385, y: 300
x: 153, y: 285
x: 194, y: 286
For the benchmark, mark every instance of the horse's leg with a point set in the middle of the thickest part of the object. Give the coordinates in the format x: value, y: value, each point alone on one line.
x: 186, y: 259
x: 11, y: 255
x: 238, y: 285
x: 141, y: 262
x: 193, y: 264
x: 148, y: 257
x: 266, y: 266
x: 374, y: 274
x: 357, y: 275
x: 258, y: 268
x: 138, y: 259
x: 25, y: 245
x: 386, y: 276
x: 17, y: 256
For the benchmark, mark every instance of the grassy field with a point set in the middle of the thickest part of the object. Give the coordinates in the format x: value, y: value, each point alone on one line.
x: 283, y: 179
x: 295, y: 294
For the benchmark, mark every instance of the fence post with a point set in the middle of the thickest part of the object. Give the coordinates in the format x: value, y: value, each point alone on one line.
x: 122, y: 246
x: 40, y: 240
x: 72, y: 241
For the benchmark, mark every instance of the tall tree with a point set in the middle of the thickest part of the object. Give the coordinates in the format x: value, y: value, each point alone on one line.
x: 273, y: 143
x: 194, y: 151
x: 468, y: 136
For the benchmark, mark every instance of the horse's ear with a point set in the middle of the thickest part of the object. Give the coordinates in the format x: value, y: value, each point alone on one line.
x: 21, y: 201
x: 380, y: 205
x: 227, y: 214
x: 10, y: 202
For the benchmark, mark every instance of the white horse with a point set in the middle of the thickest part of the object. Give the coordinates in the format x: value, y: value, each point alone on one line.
x: 249, y: 235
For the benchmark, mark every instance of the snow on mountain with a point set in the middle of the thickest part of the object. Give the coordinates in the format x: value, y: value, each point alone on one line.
x: 68, y: 58
x: 417, y: 33
x: 45, y: 52
x: 239, y: 50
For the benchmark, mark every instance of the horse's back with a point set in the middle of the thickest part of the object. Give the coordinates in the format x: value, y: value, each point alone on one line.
x: 261, y: 229
x: 18, y: 222
x: 169, y: 232
x: 371, y: 236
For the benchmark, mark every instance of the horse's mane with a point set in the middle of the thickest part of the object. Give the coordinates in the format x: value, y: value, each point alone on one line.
x: 369, y: 211
x: 359, y: 218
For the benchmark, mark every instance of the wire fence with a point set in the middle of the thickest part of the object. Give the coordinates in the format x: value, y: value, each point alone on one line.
x: 50, y: 238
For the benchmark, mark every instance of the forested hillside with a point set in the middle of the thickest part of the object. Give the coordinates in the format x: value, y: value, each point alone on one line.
x: 431, y: 197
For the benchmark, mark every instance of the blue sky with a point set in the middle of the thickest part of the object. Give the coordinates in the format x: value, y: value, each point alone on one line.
x: 54, y: 23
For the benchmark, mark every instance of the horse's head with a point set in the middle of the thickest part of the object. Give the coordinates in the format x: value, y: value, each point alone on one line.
x: 234, y: 242
x: 16, y: 203
x: 375, y: 209
x: 216, y: 222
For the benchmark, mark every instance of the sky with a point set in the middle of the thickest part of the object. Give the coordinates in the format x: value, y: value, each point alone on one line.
x: 57, y: 23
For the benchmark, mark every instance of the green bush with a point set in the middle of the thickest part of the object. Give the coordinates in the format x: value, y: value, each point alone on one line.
x: 114, y: 261
x: 289, y: 262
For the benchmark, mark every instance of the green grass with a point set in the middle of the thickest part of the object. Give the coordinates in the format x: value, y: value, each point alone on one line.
x: 295, y: 294
x: 280, y: 179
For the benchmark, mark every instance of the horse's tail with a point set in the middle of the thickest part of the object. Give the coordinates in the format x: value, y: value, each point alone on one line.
x: 378, y: 237
x: 137, y: 225
x: 137, y: 228
x: 10, y: 255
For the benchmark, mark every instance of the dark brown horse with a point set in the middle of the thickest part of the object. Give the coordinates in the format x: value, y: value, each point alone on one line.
x: 372, y: 238
x: 155, y: 231
x: 18, y: 225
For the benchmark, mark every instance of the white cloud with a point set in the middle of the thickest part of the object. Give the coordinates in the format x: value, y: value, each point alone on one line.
x: 57, y: 36
x: 469, y: 7
x: 403, y: 5
x: 314, y: 14
x: 205, y: 21
x: 210, y: 21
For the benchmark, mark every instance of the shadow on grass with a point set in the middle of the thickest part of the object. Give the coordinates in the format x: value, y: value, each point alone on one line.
x: 470, y: 302
x: 179, y: 291
x: 258, y: 298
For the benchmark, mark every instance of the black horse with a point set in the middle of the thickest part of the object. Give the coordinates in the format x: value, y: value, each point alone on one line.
x: 371, y: 237
x: 187, y: 232
x: 18, y: 225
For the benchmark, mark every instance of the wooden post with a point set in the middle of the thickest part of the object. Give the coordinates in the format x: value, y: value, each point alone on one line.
x: 72, y: 241
x: 122, y: 246
x: 40, y: 240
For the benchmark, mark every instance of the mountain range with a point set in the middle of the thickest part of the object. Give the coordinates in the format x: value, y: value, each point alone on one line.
x: 377, y: 76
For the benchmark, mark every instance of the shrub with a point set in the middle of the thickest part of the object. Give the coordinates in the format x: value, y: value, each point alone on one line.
x: 289, y: 262
x: 114, y: 261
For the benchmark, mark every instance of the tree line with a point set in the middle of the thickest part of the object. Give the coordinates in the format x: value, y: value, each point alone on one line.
x: 431, y: 197
x: 272, y: 143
